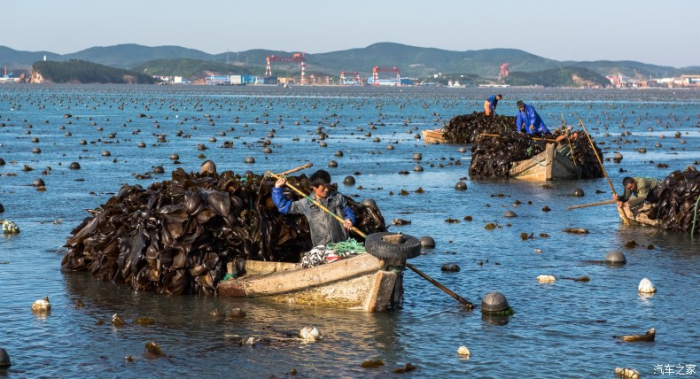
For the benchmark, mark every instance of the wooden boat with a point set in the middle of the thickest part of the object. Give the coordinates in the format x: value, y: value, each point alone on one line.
x: 637, y: 216
x: 360, y: 282
x: 547, y: 165
x: 433, y: 135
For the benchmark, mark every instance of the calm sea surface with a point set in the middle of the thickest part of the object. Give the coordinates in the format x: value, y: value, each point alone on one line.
x: 559, y: 330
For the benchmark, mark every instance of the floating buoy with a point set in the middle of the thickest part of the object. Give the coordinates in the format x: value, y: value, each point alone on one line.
x: 349, y: 180
x: 74, y: 166
x: 106, y: 153
x: 463, y: 351
x: 5, y: 361
x: 418, y: 168
x: 427, y: 242
x: 309, y: 333
x: 38, y: 183
x: 338, y: 153
x: 417, y: 156
x: 249, y: 160
x: 462, y: 150
x: 461, y: 186
x: 510, y: 214
x: 578, y: 192
x: 332, y: 163
x: 450, y: 267
x: 626, y: 373
x: 494, y: 302
x: 158, y: 169
x: 41, y: 306
x: 616, y: 257
x: 174, y: 157
x: 646, y: 286
x: 546, y: 279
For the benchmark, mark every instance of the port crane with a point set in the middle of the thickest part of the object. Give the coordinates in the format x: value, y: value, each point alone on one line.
x: 376, y: 70
x: 504, y: 71
x: 295, y: 58
x: 356, y: 78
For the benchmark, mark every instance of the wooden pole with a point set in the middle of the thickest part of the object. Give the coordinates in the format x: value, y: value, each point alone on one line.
x: 602, y: 167
x: 295, y: 169
x: 363, y: 235
x: 571, y: 147
x: 592, y: 204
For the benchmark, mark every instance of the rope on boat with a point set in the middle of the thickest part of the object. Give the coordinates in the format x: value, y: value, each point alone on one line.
x: 343, y: 247
x: 695, y: 217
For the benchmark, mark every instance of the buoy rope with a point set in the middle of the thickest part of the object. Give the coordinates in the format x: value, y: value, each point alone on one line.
x: 344, y: 247
x: 695, y: 217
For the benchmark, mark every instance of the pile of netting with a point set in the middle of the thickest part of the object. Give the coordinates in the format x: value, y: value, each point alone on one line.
x: 679, y: 197
x: 493, y: 155
x: 177, y: 236
x: 467, y: 128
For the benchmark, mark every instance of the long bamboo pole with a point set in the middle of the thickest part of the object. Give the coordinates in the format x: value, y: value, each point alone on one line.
x: 602, y: 167
x: 592, y: 204
x: 363, y: 235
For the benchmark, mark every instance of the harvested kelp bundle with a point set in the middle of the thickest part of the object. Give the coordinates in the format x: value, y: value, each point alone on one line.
x: 177, y: 236
x: 678, y: 205
x: 493, y: 154
x: 467, y: 128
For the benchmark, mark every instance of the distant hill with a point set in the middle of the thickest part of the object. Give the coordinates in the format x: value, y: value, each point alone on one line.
x: 75, y: 71
x: 558, y: 77
x: 189, y: 68
x: 418, y: 62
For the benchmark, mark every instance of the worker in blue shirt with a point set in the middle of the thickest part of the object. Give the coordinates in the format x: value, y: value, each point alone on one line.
x: 528, y: 120
x: 491, y: 103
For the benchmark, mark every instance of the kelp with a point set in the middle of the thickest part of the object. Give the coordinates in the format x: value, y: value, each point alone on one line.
x: 678, y: 197
x: 493, y: 155
x: 176, y: 236
x: 467, y: 128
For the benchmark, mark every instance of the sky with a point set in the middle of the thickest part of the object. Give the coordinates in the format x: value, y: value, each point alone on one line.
x: 658, y: 32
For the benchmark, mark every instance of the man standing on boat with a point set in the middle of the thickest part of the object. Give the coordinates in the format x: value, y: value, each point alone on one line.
x: 643, y: 189
x: 528, y: 120
x: 324, y: 227
x: 491, y: 103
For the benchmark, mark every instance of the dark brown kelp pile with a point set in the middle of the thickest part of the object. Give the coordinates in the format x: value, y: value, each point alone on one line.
x: 467, y: 128
x: 177, y: 236
x: 678, y: 197
x: 492, y: 156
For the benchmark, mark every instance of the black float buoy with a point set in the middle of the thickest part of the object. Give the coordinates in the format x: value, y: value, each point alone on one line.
x: 417, y: 156
x: 461, y: 186
x: 174, y: 157
x: 417, y: 168
x: 450, y: 267
x: 5, y: 361
x: 36, y: 150
x: 338, y: 153
x: 578, y: 192
x: 494, y: 303
x: 38, y: 183
x: 322, y: 144
x: 158, y: 169
x: 349, y: 180
x: 106, y: 153
x: 249, y: 160
x: 267, y: 150
x: 74, y: 166
x: 510, y: 214
x: 427, y: 242
x: 615, y: 258
x: 332, y: 163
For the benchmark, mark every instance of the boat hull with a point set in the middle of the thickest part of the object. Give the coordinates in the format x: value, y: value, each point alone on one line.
x: 637, y: 216
x: 361, y: 282
x: 547, y: 165
x: 434, y: 135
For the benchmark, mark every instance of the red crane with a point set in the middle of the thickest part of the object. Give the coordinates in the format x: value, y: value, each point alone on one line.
x: 376, y: 70
x: 356, y: 78
x: 295, y: 58
x: 504, y: 71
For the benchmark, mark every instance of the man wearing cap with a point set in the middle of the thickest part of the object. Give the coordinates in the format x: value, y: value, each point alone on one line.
x: 528, y: 120
x: 491, y: 103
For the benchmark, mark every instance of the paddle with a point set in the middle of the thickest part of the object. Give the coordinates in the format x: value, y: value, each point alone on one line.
x: 592, y: 204
x: 602, y: 167
x: 462, y: 300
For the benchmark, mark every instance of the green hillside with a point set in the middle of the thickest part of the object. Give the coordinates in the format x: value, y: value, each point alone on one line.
x: 130, y: 55
x: 558, y: 77
x: 75, y: 71
x: 188, y: 68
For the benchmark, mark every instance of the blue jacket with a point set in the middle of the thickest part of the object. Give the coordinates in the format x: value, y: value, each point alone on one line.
x: 493, y: 102
x: 530, y: 117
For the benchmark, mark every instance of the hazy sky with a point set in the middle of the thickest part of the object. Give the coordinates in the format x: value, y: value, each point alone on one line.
x: 659, y: 32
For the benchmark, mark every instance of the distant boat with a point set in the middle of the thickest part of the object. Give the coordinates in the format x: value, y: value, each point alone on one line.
x: 433, y: 135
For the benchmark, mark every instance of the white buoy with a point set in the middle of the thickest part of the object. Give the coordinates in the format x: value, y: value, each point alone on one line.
x: 41, y: 306
x: 310, y: 333
x: 546, y: 279
x: 646, y: 286
x: 463, y: 351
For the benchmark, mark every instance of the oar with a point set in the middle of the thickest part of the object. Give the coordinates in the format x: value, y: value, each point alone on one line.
x: 602, y: 167
x: 295, y: 169
x: 592, y: 204
x: 532, y: 138
x: 363, y: 235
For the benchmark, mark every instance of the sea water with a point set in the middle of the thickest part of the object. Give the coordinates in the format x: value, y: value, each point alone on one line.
x: 564, y: 329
